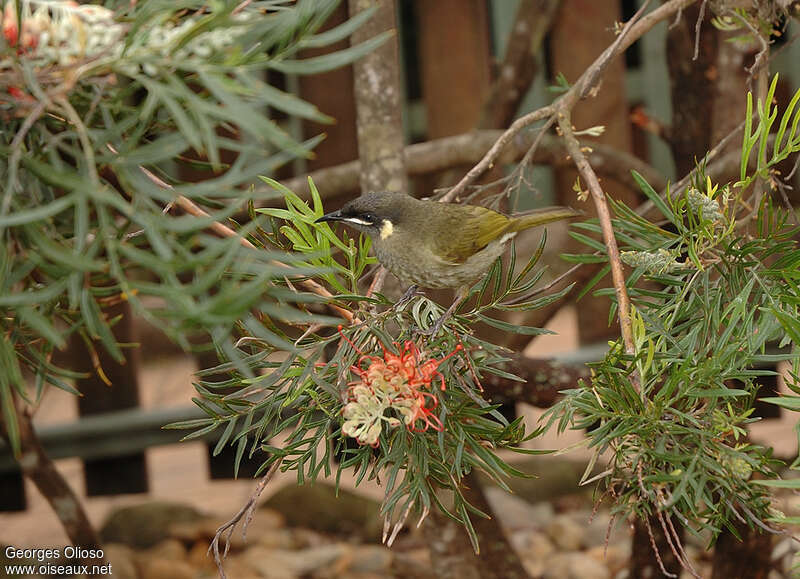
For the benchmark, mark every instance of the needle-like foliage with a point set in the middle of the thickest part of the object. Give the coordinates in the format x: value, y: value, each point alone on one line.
x: 714, y: 288
x: 376, y: 398
x: 130, y: 134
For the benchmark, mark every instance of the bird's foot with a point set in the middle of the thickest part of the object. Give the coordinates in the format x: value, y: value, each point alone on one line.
x: 437, y: 326
x: 434, y: 329
x: 412, y: 291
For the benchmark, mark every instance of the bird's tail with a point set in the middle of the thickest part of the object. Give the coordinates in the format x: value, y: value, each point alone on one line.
x: 541, y: 216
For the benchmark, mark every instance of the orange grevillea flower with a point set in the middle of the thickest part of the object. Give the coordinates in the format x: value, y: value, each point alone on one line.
x: 393, y: 389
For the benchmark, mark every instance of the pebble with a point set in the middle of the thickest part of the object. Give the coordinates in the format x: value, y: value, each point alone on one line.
x: 575, y: 565
x: 616, y: 557
x: 371, y: 559
x: 516, y: 513
x: 566, y: 533
x: 597, y: 530
x: 235, y: 568
x: 200, y: 558
x: 146, y: 524
x: 274, y: 539
x: 156, y: 568
x: 280, y: 564
x: 536, y: 553
x: 121, y: 557
x: 265, y: 521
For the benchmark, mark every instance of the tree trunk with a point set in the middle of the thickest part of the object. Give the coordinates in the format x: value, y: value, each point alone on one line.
x: 694, y: 86
x: 748, y: 558
x: 40, y: 469
x: 379, y: 118
x: 452, y: 556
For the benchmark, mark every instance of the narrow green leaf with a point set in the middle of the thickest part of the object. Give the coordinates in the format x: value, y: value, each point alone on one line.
x: 41, y: 325
x: 778, y: 484
x: 333, y: 60
x: 514, y: 329
x: 788, y: 402
x: 654, y: 197
x: 340, y: 32
x: 38, y: 213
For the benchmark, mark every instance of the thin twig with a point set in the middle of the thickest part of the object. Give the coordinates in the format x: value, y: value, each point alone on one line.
x: 646, y: 520
x: 604, y: 215
x: 760, y: 523
x: 679, y: 544
x: 759, y: 60
x: 224, y: 231
x: 247, y: 512
x: 697, y: 26
x: 634, y: 29
x: 528, y: 157
x: 674, y: 544
x: 487, y: 162
x: 16, y: 154
x: 241, y: 6
x: 377, y: 282
x: 655, y: 550
x: 83, y: 137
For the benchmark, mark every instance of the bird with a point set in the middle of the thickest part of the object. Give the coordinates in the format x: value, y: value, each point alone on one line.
x: 429, y: 244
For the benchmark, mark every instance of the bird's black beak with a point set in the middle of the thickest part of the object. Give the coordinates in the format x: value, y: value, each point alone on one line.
x: 332, y: 216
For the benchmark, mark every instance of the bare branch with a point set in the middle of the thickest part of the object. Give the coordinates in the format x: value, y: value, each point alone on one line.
x: 544, y: 379
x: 441, y: 154
x: 604, y: 215
x: 224, y: 231
x: 635, y: 28
x: 247, y: 512
x: 40, y: 469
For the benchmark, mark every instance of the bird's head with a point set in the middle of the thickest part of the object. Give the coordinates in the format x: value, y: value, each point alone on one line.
x: 376, y: 214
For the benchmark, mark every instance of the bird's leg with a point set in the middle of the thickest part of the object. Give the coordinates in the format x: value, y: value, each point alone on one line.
x: 433, y: 330
x: 412, y: 290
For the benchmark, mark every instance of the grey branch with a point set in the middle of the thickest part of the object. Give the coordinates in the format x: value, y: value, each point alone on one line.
x: 441, y: 154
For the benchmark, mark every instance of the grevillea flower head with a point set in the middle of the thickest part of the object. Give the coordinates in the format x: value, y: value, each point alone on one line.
x: 393, y: 389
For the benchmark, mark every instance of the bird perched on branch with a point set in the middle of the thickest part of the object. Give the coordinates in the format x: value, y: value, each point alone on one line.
x: 437, y: 245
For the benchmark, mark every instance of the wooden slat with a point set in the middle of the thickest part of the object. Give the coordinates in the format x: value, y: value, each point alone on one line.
x: 119, y: 474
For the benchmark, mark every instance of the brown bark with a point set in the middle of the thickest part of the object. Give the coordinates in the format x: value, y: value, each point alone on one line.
x: 378, y: 103
x: 452, y: 556
x: 693, y: 87
x: 748, y: 558
x: 333, y: 93
x: 543, y: 381
x: 455, y: 74
x: 447, y: 152
x: 40, y: 469
x: 454, y: 60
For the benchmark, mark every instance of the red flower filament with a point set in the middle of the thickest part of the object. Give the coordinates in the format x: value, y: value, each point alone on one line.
x: 398, y: 382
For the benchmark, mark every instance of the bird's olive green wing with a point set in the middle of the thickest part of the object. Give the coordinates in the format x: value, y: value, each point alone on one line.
x: 468, y: 230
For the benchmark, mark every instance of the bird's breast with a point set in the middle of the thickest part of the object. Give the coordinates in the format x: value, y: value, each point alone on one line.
x: 413, y: 262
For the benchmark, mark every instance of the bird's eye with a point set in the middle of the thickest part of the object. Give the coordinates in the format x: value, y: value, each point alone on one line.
x: 371, y: 217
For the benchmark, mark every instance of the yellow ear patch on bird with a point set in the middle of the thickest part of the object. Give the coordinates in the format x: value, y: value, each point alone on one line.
x: 387, y: 228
